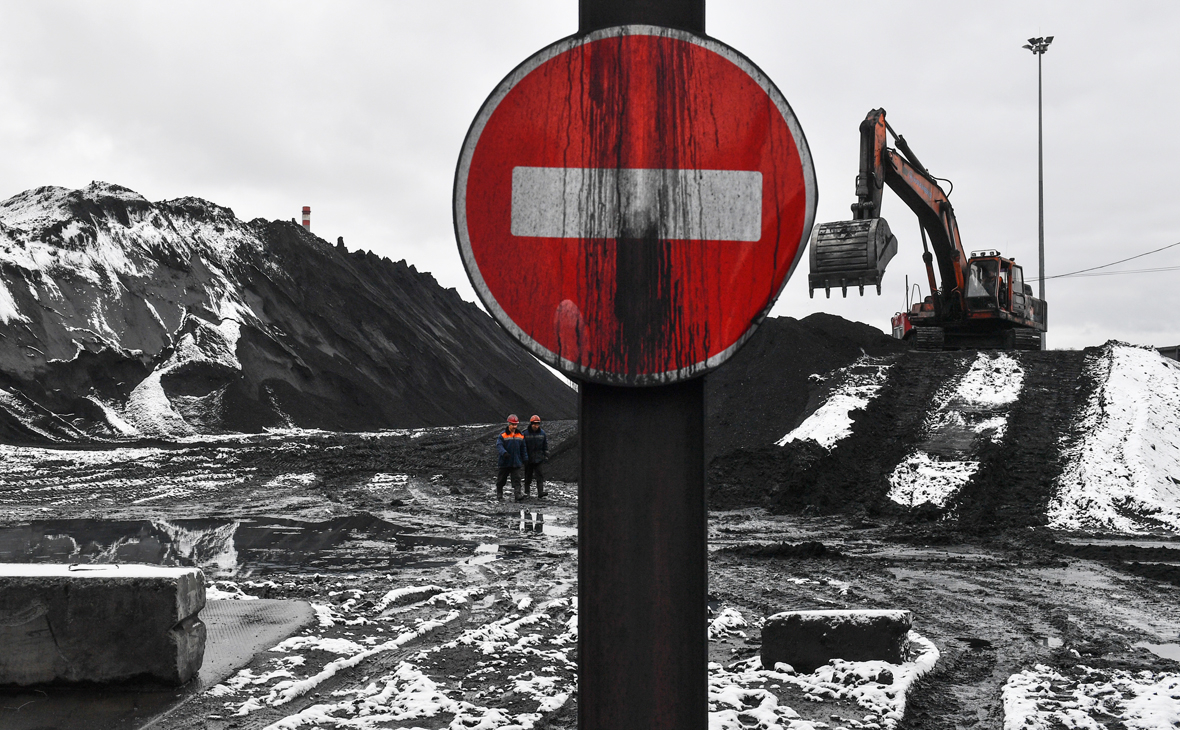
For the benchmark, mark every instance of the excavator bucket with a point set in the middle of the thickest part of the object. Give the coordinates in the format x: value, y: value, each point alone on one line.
x: 850, y: 253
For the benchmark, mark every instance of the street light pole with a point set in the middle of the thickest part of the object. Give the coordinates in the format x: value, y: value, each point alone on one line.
x: 1038, y: 46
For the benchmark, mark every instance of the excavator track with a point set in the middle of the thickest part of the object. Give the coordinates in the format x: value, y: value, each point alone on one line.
x: 1028, y: 340
x: 929, y: 338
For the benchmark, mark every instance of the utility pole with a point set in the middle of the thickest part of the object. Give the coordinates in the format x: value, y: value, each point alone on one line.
x: 1038, y: 46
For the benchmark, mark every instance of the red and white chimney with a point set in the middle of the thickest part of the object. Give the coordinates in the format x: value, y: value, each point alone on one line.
x: 307, y: 217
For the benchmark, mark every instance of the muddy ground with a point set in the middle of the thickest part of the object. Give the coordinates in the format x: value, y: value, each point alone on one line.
x: 438, y: 601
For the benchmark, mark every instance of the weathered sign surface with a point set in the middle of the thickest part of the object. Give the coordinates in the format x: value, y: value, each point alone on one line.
x: 629, y: 203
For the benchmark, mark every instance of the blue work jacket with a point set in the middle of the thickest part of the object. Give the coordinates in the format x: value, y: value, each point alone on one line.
x: 511, y: 449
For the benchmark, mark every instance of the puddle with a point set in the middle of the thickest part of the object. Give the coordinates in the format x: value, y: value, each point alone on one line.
x: 246, y: 547
x: 534, y: 523
x: 1164, y: 651
x: 932, y: 554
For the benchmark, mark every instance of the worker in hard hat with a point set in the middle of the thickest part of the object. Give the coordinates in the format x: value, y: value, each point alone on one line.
x: 513, y: 454
x: 538, y: 448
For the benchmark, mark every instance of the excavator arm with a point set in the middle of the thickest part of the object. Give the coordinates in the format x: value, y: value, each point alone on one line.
x: 855, y: 253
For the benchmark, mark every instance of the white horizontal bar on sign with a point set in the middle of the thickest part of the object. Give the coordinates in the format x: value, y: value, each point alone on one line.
x: 680, y: 205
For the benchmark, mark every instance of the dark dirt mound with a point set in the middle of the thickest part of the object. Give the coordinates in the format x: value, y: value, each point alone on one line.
x: 218, y: 324
x: 764, y: 392
x: 1011, y: 487
x: 852, y: 477
x: 1014, y: 483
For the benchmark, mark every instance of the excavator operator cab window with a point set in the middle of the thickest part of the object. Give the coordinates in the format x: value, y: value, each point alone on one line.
x: 982, y: 281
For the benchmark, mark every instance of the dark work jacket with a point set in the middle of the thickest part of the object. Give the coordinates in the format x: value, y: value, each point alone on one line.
x: 512, y: 451
x: 537, y: 444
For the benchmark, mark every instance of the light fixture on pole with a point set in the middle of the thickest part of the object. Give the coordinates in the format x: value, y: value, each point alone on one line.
x: 1038, y: 46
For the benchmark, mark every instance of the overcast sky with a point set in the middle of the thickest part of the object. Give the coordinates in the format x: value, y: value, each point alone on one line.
x: 358, y: 109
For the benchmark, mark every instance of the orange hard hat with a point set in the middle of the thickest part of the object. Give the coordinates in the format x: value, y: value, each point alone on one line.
x: 513, y: 419
x: 535, y: 419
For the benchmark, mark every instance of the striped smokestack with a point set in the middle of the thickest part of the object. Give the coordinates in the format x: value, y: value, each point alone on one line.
x: 307, y: 217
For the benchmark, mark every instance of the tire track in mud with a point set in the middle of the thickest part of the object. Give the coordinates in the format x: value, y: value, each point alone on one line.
x: 1015, y: 479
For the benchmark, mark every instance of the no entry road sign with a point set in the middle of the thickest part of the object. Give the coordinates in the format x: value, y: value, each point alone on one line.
x: 629, y: 203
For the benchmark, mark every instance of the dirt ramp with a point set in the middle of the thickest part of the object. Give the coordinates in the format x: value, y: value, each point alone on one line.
x: 977, y: 438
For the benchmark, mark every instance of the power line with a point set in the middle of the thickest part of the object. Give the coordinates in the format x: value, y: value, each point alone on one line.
x: 1125, y: 271
x: 1115, y: 263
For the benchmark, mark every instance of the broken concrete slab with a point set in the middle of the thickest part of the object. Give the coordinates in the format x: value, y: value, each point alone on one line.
x: 237, y: 631
x: 807, y: 640
x: 100, y: 623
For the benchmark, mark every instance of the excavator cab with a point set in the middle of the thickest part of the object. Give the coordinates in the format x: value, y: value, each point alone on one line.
x: 996, y: 284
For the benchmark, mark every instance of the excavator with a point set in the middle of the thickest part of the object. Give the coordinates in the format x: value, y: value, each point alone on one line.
x: 983, y: 301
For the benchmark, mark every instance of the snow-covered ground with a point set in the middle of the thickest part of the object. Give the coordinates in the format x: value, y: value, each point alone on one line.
x: 978, y: 406
x: 523, y: 654
x: 1122, y: 470
x: 1085, y: 698
x: 856, y: 385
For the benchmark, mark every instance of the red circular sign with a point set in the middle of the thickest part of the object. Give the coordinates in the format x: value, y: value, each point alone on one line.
x: 630, y: 203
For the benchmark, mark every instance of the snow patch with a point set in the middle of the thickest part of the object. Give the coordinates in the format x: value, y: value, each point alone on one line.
x: 858, y: 385
x: 921, y: 478
x: 284, y: 692
x: 9, y: 312
x: 226, y: 591
x: 740, y: 697
x: 728, y: 623
x: 991, y: 381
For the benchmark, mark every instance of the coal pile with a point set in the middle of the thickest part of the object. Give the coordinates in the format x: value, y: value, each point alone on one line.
x: 766, y: 388
x: 123, y: 319
x: 967, y: 442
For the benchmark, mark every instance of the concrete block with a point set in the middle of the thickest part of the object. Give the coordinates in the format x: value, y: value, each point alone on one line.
x: 100, y: 623
x: 808, y: 639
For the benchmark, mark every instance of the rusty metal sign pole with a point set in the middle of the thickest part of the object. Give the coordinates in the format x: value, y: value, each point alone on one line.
x: 642, y: 574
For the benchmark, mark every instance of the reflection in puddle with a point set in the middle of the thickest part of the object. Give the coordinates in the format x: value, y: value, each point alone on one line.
x: 1164, y: 651
x: 243, y: 547
x: 534, y: 522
